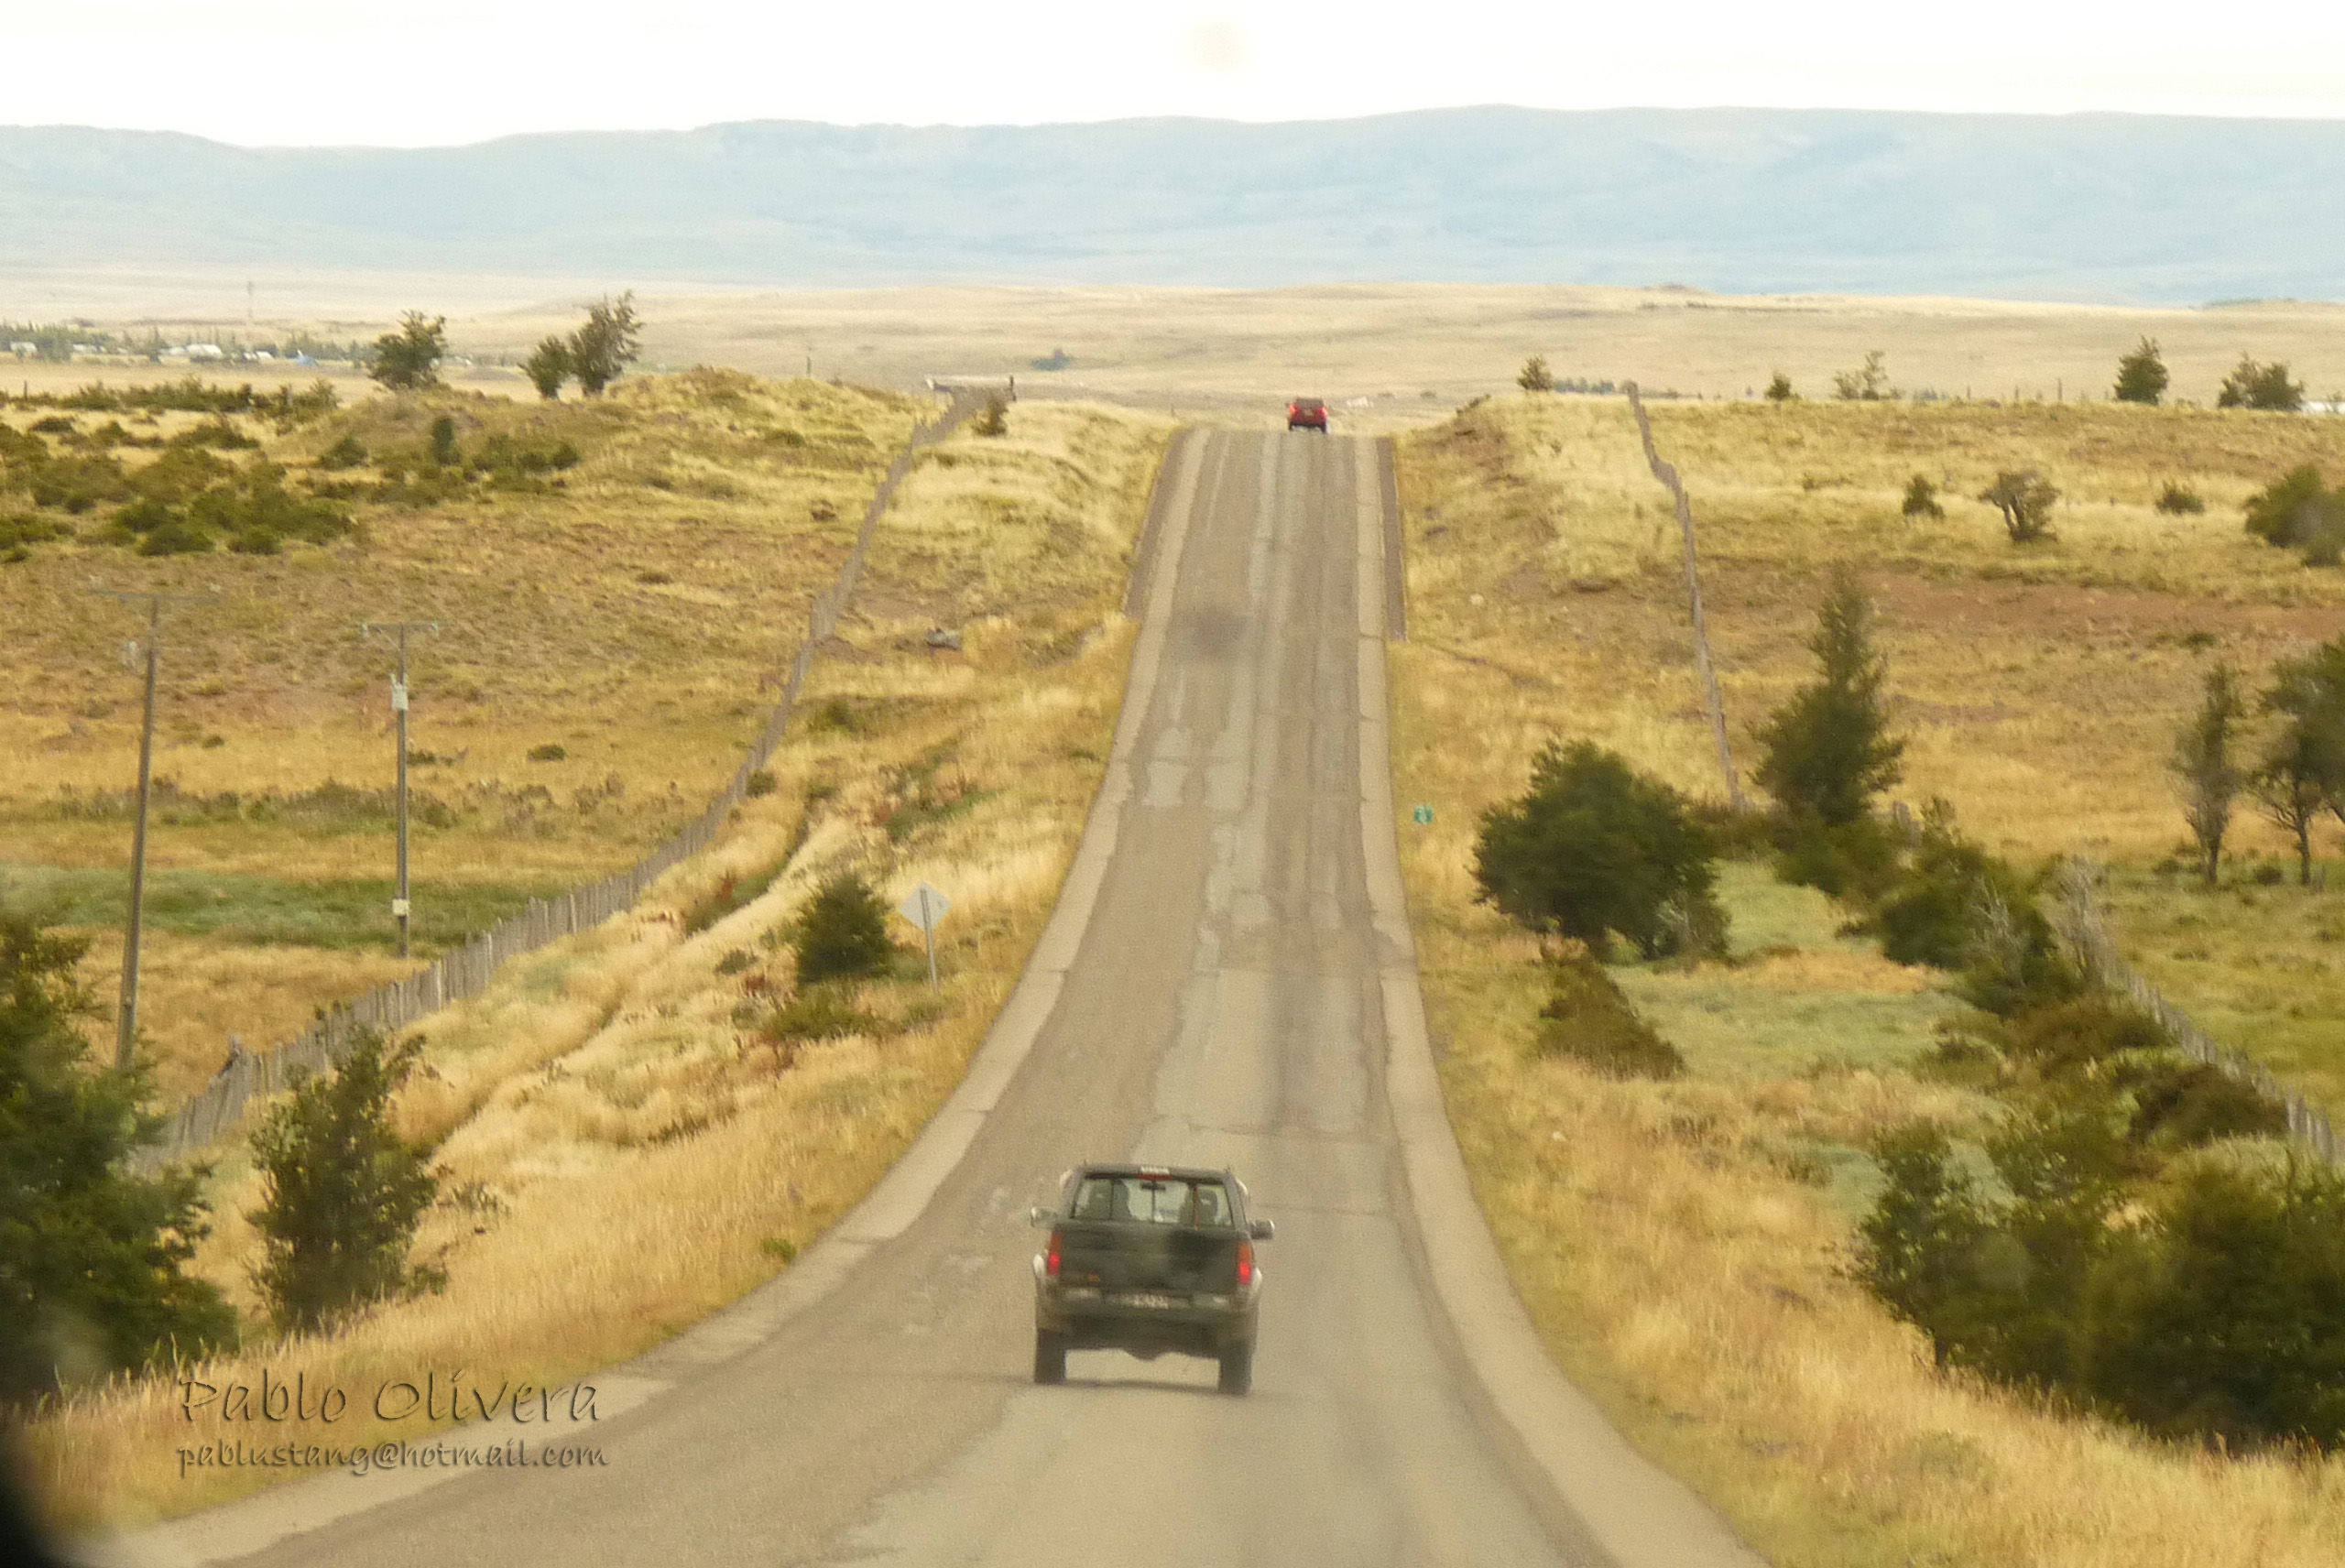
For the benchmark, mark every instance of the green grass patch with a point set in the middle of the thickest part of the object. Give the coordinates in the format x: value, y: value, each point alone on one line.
x: 264, y: 911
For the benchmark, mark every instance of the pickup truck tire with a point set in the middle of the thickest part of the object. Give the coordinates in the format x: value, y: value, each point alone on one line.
x: 1238, y: 1368
x: 1050, y: 1357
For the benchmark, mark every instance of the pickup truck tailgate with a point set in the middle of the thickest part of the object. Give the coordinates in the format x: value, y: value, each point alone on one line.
x: 1126, y: 1255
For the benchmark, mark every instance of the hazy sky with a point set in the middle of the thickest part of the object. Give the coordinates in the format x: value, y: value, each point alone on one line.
x: 421, y: 71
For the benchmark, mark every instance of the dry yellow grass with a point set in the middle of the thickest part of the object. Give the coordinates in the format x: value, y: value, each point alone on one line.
x: 627, y: 1147
x: 1682, y: 1245
x: 637, y: 618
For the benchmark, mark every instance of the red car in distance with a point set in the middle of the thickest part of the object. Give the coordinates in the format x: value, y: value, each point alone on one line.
x: 1307, y: 414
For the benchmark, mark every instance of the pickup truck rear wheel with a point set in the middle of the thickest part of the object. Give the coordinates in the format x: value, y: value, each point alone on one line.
x: 1238, y: 1368
x: 1050, y: 1357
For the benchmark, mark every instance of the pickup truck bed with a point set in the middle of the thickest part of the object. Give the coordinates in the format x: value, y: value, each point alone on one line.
x: 1148, y: 1259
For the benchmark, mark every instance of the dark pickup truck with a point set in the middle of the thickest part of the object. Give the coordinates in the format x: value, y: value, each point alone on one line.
x: 1149, y: 1259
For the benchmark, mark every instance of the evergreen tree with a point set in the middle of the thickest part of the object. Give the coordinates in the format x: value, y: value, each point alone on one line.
x: 1535, y: 376
x: 341, y: 1192
x: 1593, y: 849
x: 1869, y: 383
x: 1779, y: 390
x: 1827, y: 752
x: 91, y: 1261
x: 842, y: 934
x: 2141, y: 375
x: 2206, y: 765
x: 2251, y: 385
x: 603, y: 349
x: 409, y: 360
x: 548, y: 366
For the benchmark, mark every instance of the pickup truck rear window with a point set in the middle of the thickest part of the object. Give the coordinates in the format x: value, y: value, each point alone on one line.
x: 1152, y: 1200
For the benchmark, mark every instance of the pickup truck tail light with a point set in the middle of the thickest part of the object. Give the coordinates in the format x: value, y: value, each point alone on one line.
x: 1244, y: 1264
x: 1051, y: 1256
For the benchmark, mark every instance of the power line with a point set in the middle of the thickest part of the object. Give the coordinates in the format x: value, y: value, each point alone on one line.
x: 126, y: 1021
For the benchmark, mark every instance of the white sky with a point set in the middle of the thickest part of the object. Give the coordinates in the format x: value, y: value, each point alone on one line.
x: 413, y: 72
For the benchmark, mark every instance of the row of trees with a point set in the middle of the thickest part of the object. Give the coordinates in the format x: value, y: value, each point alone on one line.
x: 2141, y: 377
x: 407, y: 358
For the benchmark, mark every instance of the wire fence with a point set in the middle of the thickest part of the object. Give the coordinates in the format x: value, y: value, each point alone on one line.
x: 466, y: 971
x: 2080, y: 921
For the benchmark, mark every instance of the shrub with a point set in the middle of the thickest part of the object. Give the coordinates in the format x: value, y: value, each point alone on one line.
x: 993, y: 419
x: 2251, y: 385
x: 1779, y: 390
x: 408, y: 359
x: 347, y: 453
x: 548, y: 366
x: 2026, y: 498
x: 444, y: 442
x: 1587, y: 1017
x: 842, y: 934
x: 1922, y: 499
x: 551, y: 751
x: 2296, y: 511
x: 340, y: 1194
x: 818, y: 1012
x: 1534, y: 376
x: 92, y: 1259
x: 1869, y: 383
x: 174, y: 536
x: 2181, y: 1104
x: 2178, y: 500
x: 760, y: 784
x: 1593, y: 849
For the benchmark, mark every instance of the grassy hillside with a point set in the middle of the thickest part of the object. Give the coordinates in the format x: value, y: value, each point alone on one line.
x: 1683, y: 1244
x: 616, y: 584
x: 634, y: 1130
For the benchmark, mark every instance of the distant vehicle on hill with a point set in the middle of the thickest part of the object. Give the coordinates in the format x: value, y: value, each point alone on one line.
x: 1307, y: 414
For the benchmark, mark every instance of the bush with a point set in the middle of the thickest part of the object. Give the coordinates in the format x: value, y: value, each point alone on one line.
x: 1854, y: 862
x: 993, y: 419
x: 2026, y: 498
x: 760, y: 784
x: 842, y: 934
x: 1958, y: 908
x: 347, y: 453
x: 2251, y: 385
x: 91, y: 1261
x: 1587, y: 1017
x: 2296, y: 511
x: 2142, y: 375
x: 2177, y: 500
x: 551, y: 751
x: 1779, y: 389
x: 818, y: 1012
x: 340, y: 1194
x: 1922, y: 499
x: 1592, y: 849
x: 444, y: 442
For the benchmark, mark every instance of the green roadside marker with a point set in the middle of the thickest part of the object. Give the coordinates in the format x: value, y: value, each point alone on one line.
x: 1423, y: 815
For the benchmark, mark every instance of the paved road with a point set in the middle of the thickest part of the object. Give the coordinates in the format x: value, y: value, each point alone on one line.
x: 1223, y: 1007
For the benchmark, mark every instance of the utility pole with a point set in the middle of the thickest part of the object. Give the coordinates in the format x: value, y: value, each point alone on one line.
x: 399, y: 905
x: 126, y: 1036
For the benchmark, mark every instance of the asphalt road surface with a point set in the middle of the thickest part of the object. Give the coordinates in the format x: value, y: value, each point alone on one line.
x: 1223, y: 1007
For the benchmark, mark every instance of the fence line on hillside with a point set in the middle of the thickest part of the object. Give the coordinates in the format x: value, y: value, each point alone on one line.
x: 466, y: 971
x: 2079, y: 916
x: 1712, y: 701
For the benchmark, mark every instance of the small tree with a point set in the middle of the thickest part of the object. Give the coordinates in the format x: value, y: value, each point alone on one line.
x: 2026, y: 499
x: 2303, y: 772
x: 993, y: 419
x: 548, y: 366
x: 444, y: 442
x: 1779, y: 390
x: 408, y: 359
x: 2251, y: 385
x: 1922, y: 499
x: 2206, y: 765
x: 1869, y: 383
x: 341, y: 1193
x: 91, y: 1261
x: 842, y: 934
x: 1827, y: 752
x: 1592, y: 849
x: 1534, y: 376
x: 603, y: 349
x: 2141, y: 375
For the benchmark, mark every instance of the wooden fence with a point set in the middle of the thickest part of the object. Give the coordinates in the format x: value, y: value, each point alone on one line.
x: 219, y: 1109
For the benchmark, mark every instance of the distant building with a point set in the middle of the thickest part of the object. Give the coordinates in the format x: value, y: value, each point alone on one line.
x: 24, y: 350
x: 202, y: 351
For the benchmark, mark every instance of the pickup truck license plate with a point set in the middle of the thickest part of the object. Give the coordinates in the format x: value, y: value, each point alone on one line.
x: 1142, y: 1299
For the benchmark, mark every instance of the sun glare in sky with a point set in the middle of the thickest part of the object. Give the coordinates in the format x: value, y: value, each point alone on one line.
x: 432, y: 72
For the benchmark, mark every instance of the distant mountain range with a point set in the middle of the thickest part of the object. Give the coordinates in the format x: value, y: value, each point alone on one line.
x: 2110, y: 207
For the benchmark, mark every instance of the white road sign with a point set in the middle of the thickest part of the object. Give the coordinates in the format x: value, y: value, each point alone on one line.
x: 924, y: 907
